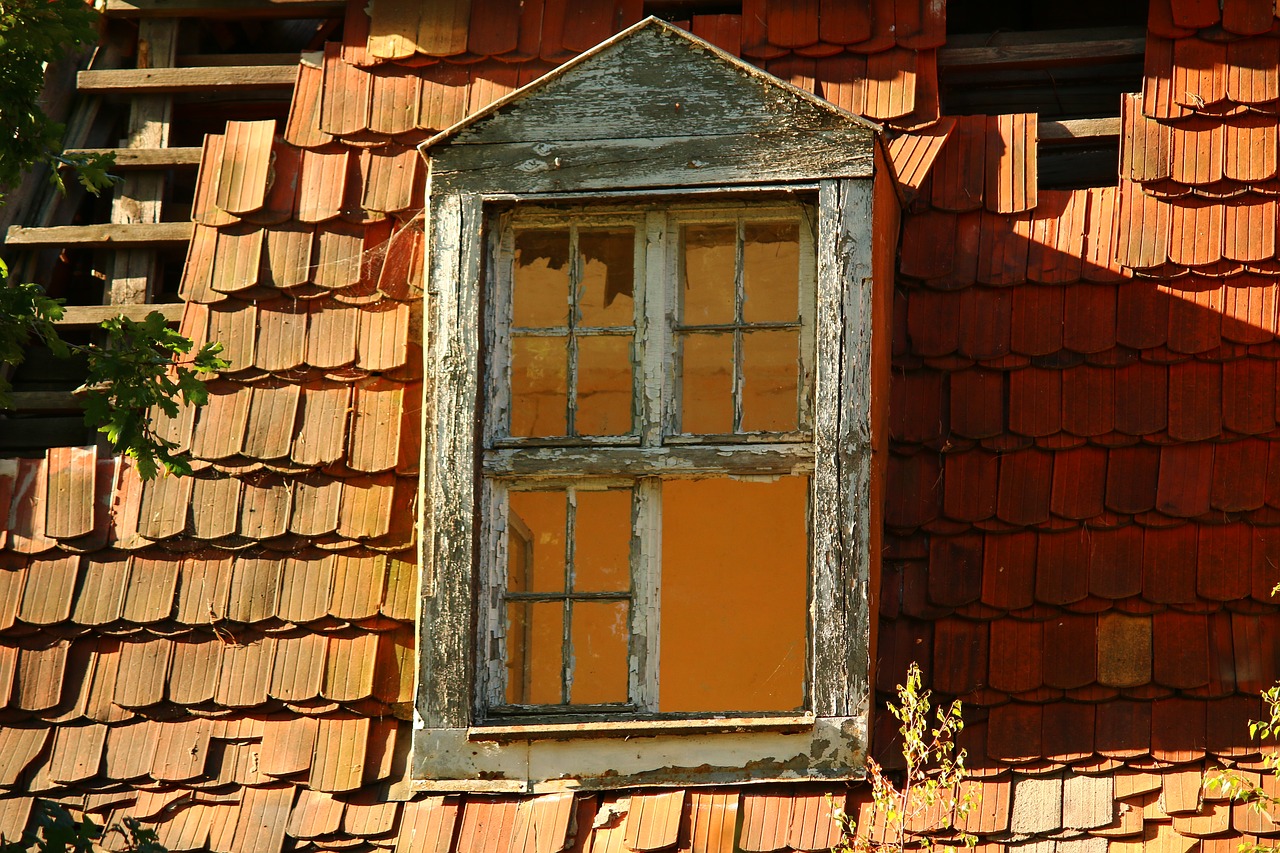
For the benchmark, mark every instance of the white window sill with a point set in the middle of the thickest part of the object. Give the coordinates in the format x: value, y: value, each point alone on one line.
x: 639, y: 728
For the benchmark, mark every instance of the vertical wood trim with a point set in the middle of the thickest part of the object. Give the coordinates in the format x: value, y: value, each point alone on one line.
x: 491, y: 637
x: 140, y: 198
x: 807, y: 287
x: 842, y: 450
x: 652, y: 331
x: 454, y: 290
x: 646, y: 585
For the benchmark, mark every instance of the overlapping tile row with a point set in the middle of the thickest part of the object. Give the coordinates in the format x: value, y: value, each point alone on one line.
x: 385, y: 87
x: 1081, y: 536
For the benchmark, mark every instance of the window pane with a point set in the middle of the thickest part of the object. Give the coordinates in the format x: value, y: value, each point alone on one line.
x: 770, y: 380
x: 602, y: 541
x: 709, y: 253
x: 608, y: 277
x: 600, y: 641
x: 538, y: 519
x: 535, y: 638
x: 541, y: 288
x: 706, y: 390
x: 734, y: 595
x: 539, y: 386
x: 604, y: 385
x: 770, y: 272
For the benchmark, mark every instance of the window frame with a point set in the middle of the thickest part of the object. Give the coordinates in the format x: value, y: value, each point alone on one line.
x: 657, y: 326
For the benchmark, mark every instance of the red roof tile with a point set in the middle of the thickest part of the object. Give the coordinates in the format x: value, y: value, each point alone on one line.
x: 1169, y: 565
x: 1185, y: 479
x: 1014, y: 733
x: 1011, y: 163
x: 1115, y: 562
x: 960, y: 655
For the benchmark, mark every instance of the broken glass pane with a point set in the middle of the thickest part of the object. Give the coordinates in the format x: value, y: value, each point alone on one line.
x: 539, y: 385
x: 540, y: 297
x: 605, y: 293
x: 604, y: 385
x: 708, y: 286
x: 734, y: 595
x: 770, y: 272
x: 770, y: 380
x: 600, y: 638
x: 706, y: 383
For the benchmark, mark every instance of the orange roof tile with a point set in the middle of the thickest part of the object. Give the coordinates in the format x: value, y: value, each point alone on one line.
x: 340, y: 749
x: 298, y: 670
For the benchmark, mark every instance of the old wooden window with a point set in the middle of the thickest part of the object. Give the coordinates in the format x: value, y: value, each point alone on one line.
x: 648, y: 429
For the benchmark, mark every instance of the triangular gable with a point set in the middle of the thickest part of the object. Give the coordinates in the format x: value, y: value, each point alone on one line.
x: 653, y: 106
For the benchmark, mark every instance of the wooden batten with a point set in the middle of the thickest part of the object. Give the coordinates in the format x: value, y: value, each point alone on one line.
x: 104, y: 235
x: 144, y: 158
x: 224, y: 8
x: 118, y: 81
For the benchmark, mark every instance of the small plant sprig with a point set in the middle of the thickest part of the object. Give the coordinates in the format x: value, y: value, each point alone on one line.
x: 911, y: 812
x: 1243, y: 790
x: 143, y: 367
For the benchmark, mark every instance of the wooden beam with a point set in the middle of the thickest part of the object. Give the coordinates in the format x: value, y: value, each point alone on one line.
x: 1078, y: 129
x: 146, y: 158
x: 86, y: 316
x: 44, y: 401
x: 211, y: 60
x: 103, y: 235
x: 134, y: 81
x: 1044, y: 53
x: 225, y: 8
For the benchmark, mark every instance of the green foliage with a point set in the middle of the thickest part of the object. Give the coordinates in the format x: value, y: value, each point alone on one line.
x: 34, y: 33
x: 144, y: 367
x: 55, y: 830
x: 1242, y: 790
x: 928, y: 794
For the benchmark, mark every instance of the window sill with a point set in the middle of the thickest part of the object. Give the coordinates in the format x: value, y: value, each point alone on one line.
x: 639, y: 728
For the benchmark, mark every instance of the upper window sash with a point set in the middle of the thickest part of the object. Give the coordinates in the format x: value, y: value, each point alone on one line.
x: 563, y: 344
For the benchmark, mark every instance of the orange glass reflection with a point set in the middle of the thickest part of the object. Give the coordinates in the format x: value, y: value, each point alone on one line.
x: 770, y: 272
x: 604, y: 385
x: 708, y: 286
x: 535, y: 637
x: 599, y: 638
x: 602, y: 541
x: 770, y: 380
x: 536, y: 521
x: 706, y: 383
x: 540, y: 293
x: 734, y: 595
x: 539, y: 386
x: 605, y: 294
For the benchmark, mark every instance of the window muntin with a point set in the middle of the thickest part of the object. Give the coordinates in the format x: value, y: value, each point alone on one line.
x: 711, y: 620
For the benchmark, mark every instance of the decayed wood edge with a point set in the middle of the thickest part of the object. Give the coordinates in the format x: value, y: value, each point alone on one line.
x: 44, y: 401
x: 445, y: 671
x: 1044, y: 53
x: 102, y: 235
x: 77, y: 316
x: 1078, y: 129
x: 157, y: 80
x: 646, y: 584
x: 224, y: 8
x: 769, y: 460
x: 842, y: 450
x: 641, y: 728
x: 144, y: 158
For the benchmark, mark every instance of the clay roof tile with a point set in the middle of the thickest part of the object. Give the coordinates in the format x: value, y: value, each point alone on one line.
x: 1124, y: 728
x: 445, y: 88
x: 365, y: 509
x: 1253, y: 70
x: 316, y: 501
x: 204, y: 582
x: 1124, y: 650
x: 287, y: 259
x: 143, y: 671
x: 1079, y: 481
x: 288, y: 745
x: 1014, y: 735
x: 988, y: 337
x: 1057, y: 237
x: 130, y: 749
x: 1115, y: 562
x: 214, y: 506
x: 344, y: 100
x: 220, y: 427
x: 49, y: 589
x: 245, y: 672
x: 322, y: 182
x: 338, y: 250
x: 1169, y: 564
x: 971, y: 485
x: 303, y: 126
x: 978, y: 403
x: 349, y: 668
x: 298, y: 669
x: 265, y: 507
x: 77, y: 753
x: 766, y: 819
x: 181, y: 748
x: 340, y: 749
x: 427, y: 825
x: 1178, y: 729
x: 357, y: 586
x: 194, y: 673
x: 392, y: 30
x: 1195, y: 400
x: 254, y: 589
x: 322, y: 424
x: 149, y: 594
x: 653, y: 819
x: 1026, y: 478
x: 1062, y: 563
x: 1239, y: 482
x: 960, y: 655
x: 263, y: 814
